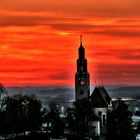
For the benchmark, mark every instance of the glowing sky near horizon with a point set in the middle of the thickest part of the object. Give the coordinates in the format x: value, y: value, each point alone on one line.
x: 39, y: 41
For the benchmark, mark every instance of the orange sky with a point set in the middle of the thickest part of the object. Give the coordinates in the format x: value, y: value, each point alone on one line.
x: 39, y: 41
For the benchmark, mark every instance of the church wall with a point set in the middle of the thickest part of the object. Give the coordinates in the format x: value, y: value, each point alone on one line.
x: 97, y: 111
x: 102, y: 114
x: 95, y: 126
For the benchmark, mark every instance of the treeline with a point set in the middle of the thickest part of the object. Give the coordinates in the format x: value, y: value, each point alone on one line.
x: 20, y: 113
x: 24, y: 117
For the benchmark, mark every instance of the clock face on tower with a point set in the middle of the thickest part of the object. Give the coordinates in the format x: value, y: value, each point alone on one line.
x: 82, y: 82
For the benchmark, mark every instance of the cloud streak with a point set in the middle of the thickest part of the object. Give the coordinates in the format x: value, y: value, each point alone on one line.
x: 40, y: 47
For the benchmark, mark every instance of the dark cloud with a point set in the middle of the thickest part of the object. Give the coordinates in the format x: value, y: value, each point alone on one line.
x: 34, y: 20
x: 118, y: 73
x: 20, y: 21
x: 118, y: 69
x: 59, y: 76
x: 9, y: 70
x: 124, y: 54
x: 123, y: 67
x: 130, y: 55
x: 119, y: 32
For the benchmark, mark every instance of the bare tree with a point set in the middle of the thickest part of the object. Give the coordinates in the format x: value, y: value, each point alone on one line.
x: 2, y: 97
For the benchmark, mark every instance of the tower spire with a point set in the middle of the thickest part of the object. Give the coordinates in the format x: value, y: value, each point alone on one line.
x: 82, y: 78
x: 81, y: 49
x: 81, y: 39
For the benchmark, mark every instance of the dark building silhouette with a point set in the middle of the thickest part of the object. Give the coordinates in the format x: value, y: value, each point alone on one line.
x: 100, y: 100
x: 82, y: 78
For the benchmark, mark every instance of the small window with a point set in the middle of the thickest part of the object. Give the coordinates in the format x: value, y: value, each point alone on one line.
x: 81, y: 92
x: 104, y: 119
x: 81, y: 68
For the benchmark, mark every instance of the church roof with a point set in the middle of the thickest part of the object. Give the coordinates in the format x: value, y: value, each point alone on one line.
x: 100, y: 97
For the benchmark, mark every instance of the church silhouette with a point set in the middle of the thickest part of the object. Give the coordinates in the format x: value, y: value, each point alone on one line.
x: 99, y: 99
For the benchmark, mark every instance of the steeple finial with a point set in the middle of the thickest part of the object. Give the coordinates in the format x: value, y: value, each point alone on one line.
x: 81, y: 39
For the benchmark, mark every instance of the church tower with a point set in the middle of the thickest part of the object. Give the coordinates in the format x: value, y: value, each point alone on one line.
x: 82, y: 79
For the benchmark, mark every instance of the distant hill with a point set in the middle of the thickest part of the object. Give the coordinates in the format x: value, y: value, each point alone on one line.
x: 127, y: 91
x: 63, y: 95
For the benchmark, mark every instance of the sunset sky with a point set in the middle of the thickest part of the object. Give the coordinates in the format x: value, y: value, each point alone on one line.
x: 39, y: 41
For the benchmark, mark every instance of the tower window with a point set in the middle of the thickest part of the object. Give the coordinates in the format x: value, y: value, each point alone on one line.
x: 81, y: 92
x: 81, y: 68
x: 82, y: 82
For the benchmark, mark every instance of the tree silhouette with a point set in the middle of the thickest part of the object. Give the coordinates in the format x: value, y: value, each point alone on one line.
x: 119, y: 123
x: 70, y: 118
x: 77, y: 117
x: 3, y: 120
x: 23, y: 113
x: 55, y: 124
x: 138, y: 128
x: 2, y: 97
